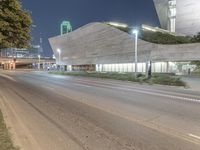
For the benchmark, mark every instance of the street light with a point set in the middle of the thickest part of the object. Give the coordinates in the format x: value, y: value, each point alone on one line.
x: 59, y: 52
x: 136, y: 50
x: 39, y: 62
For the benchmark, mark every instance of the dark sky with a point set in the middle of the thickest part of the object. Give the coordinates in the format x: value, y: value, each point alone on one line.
x: 48, y: 14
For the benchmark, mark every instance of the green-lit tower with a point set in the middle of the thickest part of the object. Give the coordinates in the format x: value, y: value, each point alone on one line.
x: 65, y: 27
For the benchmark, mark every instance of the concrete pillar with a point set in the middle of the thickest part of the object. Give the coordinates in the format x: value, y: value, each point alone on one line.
x: 14, y: 66
x: 10, y: 66
x: 168, y: 67
x: 148, y: 69
x: 43, y: 65
x: 38, y: 66
x: 5, y: 66
x: 65, y: 68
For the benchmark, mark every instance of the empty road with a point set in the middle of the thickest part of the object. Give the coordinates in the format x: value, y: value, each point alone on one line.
x: 52, y: 112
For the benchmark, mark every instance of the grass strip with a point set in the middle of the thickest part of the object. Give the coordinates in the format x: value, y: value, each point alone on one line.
x: 5, y: 138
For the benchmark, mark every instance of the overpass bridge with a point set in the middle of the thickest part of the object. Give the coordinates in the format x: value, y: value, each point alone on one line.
x: 9, y: 63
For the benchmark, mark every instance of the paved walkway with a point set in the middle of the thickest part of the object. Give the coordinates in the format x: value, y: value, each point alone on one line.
x: 192, y: 82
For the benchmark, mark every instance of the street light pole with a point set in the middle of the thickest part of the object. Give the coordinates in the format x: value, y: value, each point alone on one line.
x: 136, y: 51
x: 39, y: 62
x: 59, y: 60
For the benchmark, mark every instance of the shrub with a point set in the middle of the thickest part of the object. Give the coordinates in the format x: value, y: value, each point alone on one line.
x: 163, y: 38
x: 164, y: 79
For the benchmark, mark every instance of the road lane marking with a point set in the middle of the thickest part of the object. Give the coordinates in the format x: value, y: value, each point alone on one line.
x: 59, y: 76
x: 194, y: 136
x: 144, y: 92
x: 163, y: 95
x: 84, y: 83
x: 154, y: 92
x: 49, y: 88
x: 8, y: 77
x: 88, y: 86
x: 163, y: 130
x: 192, y: 97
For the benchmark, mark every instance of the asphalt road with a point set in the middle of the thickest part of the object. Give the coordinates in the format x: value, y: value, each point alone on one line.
x: 52, y: 112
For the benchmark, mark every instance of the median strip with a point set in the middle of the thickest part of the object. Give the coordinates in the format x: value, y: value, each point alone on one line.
x: 162, y: 79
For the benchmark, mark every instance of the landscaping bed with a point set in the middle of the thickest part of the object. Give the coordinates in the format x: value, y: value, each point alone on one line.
x: 163, y: 79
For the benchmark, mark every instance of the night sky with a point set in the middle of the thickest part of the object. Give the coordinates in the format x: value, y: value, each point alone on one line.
x: 48, y: 14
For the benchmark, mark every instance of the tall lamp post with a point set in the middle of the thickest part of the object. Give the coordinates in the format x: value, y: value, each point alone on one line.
x: 136, y: 50
x: 59, y: 52
x: 39, y: 62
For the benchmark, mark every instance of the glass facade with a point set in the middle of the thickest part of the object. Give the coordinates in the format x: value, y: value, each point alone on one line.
x: 157, y: 67
x: 130, y: 67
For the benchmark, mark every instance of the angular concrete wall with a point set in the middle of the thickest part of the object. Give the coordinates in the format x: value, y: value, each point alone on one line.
x: 162, y: 11
x: 187, y: 15
x: 98, y: 43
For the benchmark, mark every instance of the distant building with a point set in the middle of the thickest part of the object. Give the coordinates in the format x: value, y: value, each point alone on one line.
x: 181, y: 16
x: 65, y: 27
x: 31, y: 52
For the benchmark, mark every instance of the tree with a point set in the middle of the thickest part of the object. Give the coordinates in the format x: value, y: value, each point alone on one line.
x: 196, y: 38
x: 197, y: 63
x: 14, y: 25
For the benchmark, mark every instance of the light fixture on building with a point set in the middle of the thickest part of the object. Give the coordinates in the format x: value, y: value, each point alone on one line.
x: 116, y: 24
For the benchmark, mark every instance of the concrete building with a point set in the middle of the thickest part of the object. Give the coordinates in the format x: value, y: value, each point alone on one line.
x: 100, y: 47
x: 181, y: 16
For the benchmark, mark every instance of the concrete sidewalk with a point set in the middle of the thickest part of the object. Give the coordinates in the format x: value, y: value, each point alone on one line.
x: 192, y: 82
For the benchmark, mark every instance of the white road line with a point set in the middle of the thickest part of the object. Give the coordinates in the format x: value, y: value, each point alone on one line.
x: 88, y: 86
x: 162, y: 95
x: 59, y: 76
x: 8, y: 77
x: 49, y: 88
x: 146, y: 92
x: 145, y: 89
x: 82, y: 82
x: 194, y: 136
